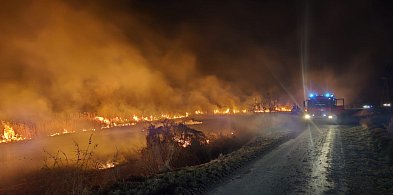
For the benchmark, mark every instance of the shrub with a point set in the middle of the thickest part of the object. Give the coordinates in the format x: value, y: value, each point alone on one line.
x: 174, y: 145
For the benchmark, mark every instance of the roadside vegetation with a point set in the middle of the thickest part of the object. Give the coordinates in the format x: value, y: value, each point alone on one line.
x: 380, y: 125
x: 170, y: 146
x: 380, y: 128
x: 197, y: 168
x: 175, y: 159
x: 196, y: 179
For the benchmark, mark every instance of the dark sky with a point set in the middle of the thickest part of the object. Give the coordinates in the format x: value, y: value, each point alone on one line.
x: 256, y: 43
x: 349, y: 42
x: 151, y: 56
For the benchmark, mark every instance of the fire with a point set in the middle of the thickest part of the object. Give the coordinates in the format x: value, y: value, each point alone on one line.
x: 283, y: 109
x: 9, y: 134
x: 107, y: 165
x: 65, y: 131
x: 197, y: 112
x: 136, y: 118
x: 102, y: 119
x: 228, y: 111
x: 183, y: 143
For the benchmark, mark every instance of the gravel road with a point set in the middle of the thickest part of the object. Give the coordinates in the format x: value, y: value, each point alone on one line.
x: 323, y: 159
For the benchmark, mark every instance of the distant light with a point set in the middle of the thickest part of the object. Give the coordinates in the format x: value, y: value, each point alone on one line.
x: 324, y: 114
x: 307, y: 116
x: 327, y: 95
x: 386, y: 105
x: 330, y: 116
x: 311, y: 95
x: 366, y: 106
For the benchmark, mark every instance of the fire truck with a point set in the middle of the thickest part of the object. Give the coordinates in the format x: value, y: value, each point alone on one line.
x: 323, y: 107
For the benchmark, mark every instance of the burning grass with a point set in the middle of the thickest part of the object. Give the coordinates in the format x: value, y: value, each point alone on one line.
x: 18, y: 130
x: 172, y: 146
x: 77, y: 174
x: 10, y: 135
x: 169, y: 146
x: 196, y: 179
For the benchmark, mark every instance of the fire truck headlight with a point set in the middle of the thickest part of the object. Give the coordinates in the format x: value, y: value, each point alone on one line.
x: 330, y: 116
x: 307, y: 116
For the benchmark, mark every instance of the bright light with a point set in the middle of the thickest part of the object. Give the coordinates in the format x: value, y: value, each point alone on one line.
x: 386, y: 105
x: 307, y: 116
x: 330, y: 116
x: 366, y: 106
x: 324, y: 114
x: 311, y: 95
x: 327, y: 95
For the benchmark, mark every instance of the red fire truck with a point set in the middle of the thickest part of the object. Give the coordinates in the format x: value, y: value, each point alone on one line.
x: 323, y: 107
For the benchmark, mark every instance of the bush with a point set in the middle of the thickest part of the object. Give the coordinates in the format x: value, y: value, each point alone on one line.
x: 171, y: 146
x: 174, y: 145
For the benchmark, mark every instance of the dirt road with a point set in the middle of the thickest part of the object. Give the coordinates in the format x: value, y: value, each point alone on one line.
x: 323, y: 159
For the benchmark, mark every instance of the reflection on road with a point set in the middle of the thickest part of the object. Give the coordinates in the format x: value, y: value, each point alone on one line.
x: 302, y: 165
x: 320, y: 166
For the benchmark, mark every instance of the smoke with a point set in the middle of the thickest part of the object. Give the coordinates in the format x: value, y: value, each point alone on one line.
x: 139, y: 57
x: 57, y: 57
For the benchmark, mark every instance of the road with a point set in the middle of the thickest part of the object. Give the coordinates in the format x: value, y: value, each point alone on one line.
x: 323, y: 159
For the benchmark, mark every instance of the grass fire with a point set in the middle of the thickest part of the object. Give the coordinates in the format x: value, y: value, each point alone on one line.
x: 9, y: 135
x: 175, y: 97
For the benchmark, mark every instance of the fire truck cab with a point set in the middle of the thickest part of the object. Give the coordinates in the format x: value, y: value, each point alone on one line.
x: 323, y: 107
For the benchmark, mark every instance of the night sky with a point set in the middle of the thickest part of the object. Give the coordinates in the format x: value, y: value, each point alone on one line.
x: 256, y: 43
x: 148, y: 56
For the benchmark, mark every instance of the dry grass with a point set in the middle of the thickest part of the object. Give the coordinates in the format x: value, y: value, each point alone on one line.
x: 56, y: 124
x: 196, y: 179
x: 81, y: 173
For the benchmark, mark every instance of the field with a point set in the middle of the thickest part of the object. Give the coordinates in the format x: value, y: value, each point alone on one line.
x: 115, y: 152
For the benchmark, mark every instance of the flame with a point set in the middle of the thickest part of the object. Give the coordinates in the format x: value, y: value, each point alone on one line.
x: 9, y: 134
x: 228, y: 111
x: 107, y: 165
x: 136, y: 118
x: 102, y: 119
x: 183, y: 142
x: 65, y: 131
x: 197, y: 112
x: 283, y: 109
